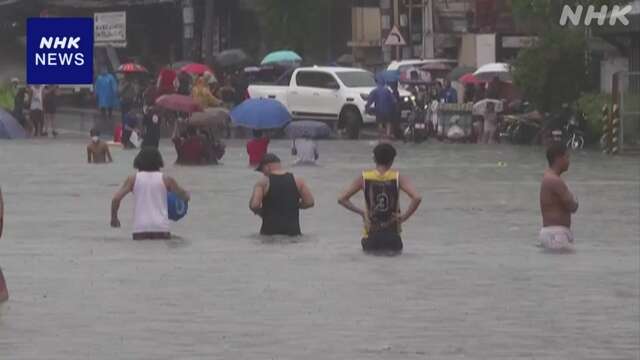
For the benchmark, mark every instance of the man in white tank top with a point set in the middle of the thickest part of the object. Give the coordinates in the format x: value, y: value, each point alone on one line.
x: 149, y: 187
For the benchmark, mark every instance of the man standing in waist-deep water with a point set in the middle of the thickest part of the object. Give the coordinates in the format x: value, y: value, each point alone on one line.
x: 4, y: 293
x: 557, y: 203
x: 278, y: 198
x: 382, y: 216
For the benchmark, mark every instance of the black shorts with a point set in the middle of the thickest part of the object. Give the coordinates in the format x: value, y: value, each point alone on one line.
x: 382, y: 241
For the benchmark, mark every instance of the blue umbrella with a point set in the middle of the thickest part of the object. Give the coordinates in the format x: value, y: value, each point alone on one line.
x: 9, y: 127
x: 283, y: 56
x: 312, y: 129
x: 260, y: 114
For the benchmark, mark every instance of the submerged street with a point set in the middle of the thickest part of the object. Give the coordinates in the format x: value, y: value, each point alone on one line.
x: 471, y: 283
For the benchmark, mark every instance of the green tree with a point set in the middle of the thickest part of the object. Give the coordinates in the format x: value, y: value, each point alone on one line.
x: 554, y: 70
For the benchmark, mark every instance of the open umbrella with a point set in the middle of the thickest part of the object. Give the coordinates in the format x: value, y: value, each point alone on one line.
x: 313, y: 129
x: 177, y: 102
x: 390, y: 76
x: 129, y: 68
x: 196, y: 69
x: 232, y: 58
x: 459, y: 72
x: 469, y: 79
x: 489, y: 71
x: 9, y: 127
x: 217, y: 118
x: 282, y: 56
x: 261, y: 114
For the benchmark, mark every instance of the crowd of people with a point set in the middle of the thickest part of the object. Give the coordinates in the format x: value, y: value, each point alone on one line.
x: 386, y: 104
x: 35, y: 107
x: 279, y: 196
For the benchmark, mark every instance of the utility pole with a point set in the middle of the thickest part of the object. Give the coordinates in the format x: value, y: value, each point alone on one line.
x: 396, y: 22
x: 329, y: 33
x: 188, y: 22
x: 208, y: 31
x: 428, y: 41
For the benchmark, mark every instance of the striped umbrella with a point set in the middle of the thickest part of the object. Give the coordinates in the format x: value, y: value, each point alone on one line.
x: 131, y: 68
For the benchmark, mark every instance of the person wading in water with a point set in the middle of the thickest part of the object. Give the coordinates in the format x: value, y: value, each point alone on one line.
x: 149, y: 187
x: 557, y: 203
x: 278, y: 198
x: 381, y: 187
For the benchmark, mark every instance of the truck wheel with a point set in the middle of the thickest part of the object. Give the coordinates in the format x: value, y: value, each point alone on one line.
x: 352, y: 123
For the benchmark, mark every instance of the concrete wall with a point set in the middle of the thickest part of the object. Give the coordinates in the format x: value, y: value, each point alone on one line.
x: 609, y: 66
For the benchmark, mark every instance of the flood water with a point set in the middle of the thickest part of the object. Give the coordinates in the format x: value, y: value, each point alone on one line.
x: 470, y: 284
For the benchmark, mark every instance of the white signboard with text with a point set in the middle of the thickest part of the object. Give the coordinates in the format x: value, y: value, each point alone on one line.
x: 110, y: 28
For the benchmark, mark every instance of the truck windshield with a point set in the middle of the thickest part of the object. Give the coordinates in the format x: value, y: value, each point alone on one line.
x: 357, y: 79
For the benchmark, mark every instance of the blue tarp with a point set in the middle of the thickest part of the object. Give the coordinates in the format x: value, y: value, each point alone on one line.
x: 9, y: 127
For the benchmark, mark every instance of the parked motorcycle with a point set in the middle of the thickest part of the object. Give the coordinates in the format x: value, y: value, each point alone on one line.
x: 418, y: 128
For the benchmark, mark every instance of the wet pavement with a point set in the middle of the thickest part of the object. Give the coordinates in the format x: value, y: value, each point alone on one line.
x: 470, y: 285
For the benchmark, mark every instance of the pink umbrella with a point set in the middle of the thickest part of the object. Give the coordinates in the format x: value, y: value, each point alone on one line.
x: 470, y: 79
x: 131, y: 68
x: 177, y: 102
x: 196, y: 69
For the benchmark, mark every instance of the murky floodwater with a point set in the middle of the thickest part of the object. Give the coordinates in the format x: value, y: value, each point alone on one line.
x: 470, y: 284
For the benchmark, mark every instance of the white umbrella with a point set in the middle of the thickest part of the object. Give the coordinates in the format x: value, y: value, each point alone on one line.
x: 489, y: 71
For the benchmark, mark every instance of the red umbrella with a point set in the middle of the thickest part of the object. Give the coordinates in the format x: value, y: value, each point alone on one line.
x: 470, y: 79
x: 197, y: 69
x: 177, y: 102
x: 131, y: 68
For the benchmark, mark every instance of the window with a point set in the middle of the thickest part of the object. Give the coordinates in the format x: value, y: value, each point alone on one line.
x: 326, y: 81
x: 316, y: 79
x: 305, y: 79
x: 357, y: 79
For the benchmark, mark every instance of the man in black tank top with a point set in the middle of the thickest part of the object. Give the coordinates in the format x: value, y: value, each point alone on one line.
x: 278, y: 198
x: 382, y: 216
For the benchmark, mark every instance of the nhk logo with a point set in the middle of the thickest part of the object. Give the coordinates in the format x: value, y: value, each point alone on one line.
x: 575, y: 16
x: 60, y: 51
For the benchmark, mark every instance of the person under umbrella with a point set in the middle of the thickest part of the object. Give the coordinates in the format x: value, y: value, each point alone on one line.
x: 203, y: 96
x: 305, y: 150
x: 257, y: 147
x: 184, y: 83
x: 151, y: 128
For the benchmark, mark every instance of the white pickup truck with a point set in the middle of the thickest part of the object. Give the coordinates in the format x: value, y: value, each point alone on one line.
x: 335, y: 95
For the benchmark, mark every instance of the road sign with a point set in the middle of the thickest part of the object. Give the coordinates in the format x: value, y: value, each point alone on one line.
x: 395, y: 38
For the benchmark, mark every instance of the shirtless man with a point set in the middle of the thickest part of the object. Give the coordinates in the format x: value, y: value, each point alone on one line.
x: 4, y: 293
x: 98, y: 151
x: 557, y: 203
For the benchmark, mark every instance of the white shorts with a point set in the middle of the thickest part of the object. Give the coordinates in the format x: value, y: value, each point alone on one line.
x: 556, y: 238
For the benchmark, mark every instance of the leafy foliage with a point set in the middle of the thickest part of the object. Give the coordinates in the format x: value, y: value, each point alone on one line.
x: 552, y: 72
x: 591, y: 104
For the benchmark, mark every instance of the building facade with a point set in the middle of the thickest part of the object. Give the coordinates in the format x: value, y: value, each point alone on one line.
x: 472, y: 31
